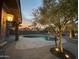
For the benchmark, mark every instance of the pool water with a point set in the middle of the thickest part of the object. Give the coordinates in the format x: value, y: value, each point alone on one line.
x: 40, y: 36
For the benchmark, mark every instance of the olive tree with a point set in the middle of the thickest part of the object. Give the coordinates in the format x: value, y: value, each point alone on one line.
x: 57, y: 13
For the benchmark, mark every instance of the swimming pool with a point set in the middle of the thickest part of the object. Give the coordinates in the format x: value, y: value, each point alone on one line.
x: 51, y: 38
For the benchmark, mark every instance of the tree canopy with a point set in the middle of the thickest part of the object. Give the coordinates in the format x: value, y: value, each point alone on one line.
x: 57, y: 12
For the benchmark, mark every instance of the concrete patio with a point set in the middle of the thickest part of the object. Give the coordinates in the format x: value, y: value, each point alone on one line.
x: 36, y: 48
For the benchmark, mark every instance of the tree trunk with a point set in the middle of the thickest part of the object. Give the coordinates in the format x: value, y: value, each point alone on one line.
x: 61, y: 47
x: 72, y: 34
x: 56, y: 45
x: 48, y: 35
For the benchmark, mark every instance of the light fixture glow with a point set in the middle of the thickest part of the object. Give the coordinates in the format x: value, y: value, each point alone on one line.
x: 9, y: 17
x: 66, y: 55
x: 57, y: 49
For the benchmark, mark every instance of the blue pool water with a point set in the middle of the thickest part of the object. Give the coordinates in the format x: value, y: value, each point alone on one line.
x: 51, y: 38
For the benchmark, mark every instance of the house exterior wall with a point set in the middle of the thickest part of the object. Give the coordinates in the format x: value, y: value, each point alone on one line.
x: 3, y: 25
x: 7, y: 7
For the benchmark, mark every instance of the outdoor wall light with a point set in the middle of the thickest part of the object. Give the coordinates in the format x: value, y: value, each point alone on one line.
x: 9, y: 17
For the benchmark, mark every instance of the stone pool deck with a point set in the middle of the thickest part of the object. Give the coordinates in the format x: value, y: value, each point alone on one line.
x: 36, y: 48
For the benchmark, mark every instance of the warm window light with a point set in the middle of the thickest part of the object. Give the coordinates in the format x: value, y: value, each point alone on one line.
x: 9, y: 17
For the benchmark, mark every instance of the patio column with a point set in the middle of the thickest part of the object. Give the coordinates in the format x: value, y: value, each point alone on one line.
x: 2, y: 24
x: 1, y: 4
x: 16, y: 32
